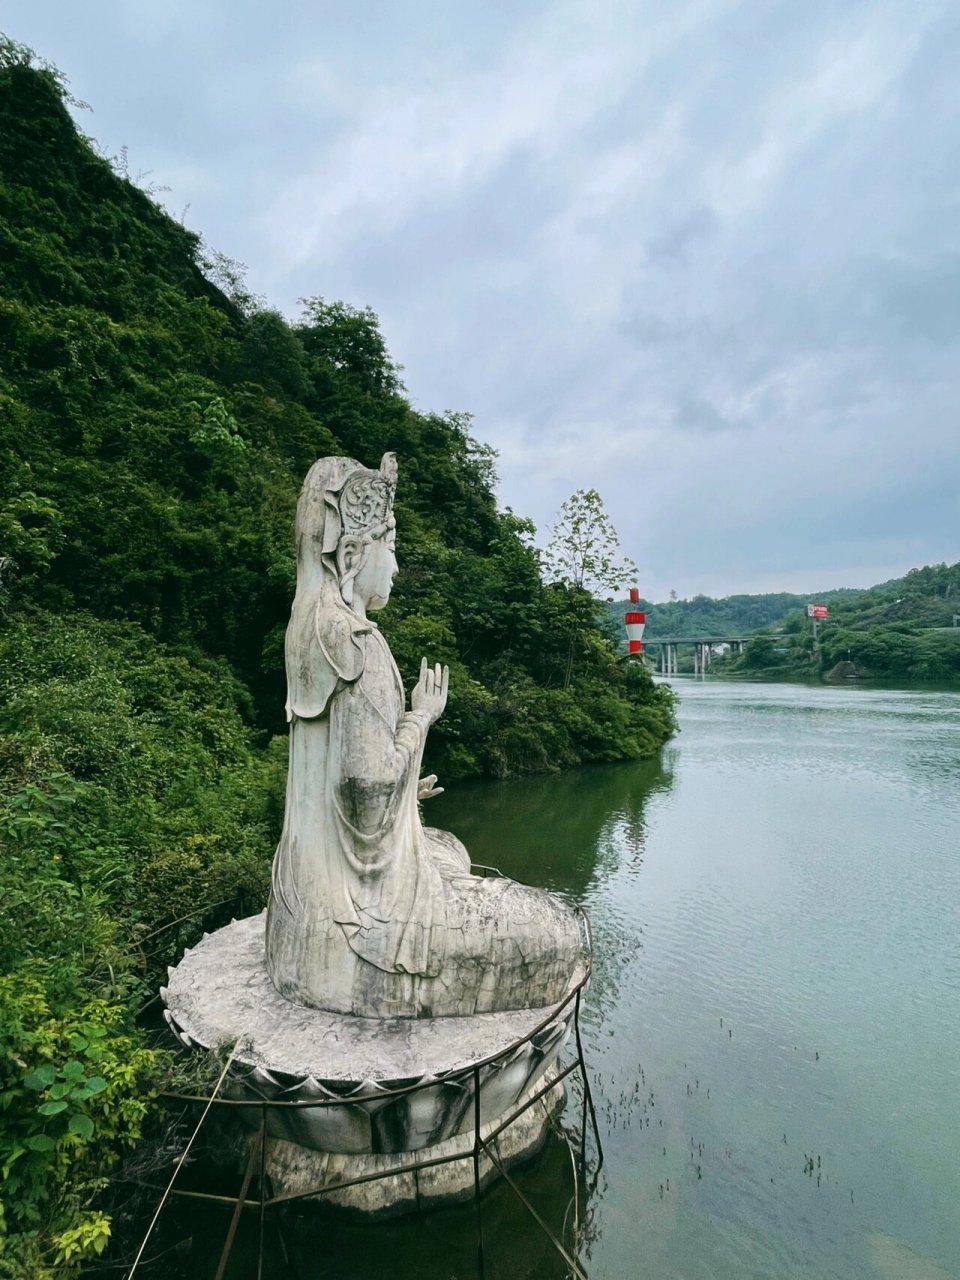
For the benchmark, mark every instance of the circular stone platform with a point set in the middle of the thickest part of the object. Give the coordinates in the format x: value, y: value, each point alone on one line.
x: 297, y: 1174
x: 221, y: 993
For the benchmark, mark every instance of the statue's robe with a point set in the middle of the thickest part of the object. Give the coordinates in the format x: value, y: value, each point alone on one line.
x: 371, y: 914
x: 353, y: 848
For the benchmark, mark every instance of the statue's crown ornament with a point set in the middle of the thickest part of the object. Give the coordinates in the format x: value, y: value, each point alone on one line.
x: 366, y: 501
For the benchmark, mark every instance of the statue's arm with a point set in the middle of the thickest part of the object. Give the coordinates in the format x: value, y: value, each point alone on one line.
x: 374, y: 763
x: 376, y: 753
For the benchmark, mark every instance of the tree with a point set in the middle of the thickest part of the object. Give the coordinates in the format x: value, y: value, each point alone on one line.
x: 349, y: 339
x: 582, y: 556
x: 584, y: 547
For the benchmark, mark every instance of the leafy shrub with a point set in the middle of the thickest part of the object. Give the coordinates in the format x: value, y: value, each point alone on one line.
x: 73, y: 1093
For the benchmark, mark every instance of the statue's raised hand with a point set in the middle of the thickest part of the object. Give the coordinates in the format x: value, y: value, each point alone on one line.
x: 430, y: 692
x: 427, y: 787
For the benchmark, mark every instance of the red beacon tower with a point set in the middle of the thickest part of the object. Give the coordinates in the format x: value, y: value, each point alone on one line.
x: 634, y: 621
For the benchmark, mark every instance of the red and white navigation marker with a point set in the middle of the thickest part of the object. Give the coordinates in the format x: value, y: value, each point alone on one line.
x: 634, y: 621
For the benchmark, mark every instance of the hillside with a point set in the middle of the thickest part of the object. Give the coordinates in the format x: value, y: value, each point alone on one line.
x: 154, y: 432
x: 729, y: 615
x: 900, y: 630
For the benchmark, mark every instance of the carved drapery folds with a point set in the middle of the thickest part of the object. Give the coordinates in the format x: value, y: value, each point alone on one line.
x: 369, y: 912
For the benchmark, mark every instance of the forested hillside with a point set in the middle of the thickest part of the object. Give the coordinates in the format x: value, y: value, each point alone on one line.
x: 900, y: 630
x: 728, y: 615
x: 154, y: 431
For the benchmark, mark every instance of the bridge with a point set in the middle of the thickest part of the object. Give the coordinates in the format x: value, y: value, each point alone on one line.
x: 703, y: 647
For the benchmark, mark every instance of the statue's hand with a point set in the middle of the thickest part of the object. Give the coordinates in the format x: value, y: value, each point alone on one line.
x: 427, y: 787
x: 430, y: 691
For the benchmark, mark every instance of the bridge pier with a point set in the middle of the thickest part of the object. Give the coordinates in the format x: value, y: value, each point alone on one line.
x: 702, y: 651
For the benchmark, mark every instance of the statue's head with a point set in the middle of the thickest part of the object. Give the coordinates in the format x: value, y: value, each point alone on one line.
x: 346, y: 529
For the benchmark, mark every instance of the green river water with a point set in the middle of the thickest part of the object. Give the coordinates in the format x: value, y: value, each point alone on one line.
x: 773, y: 1028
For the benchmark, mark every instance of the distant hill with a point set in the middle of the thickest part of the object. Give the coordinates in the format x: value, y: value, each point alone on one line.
x: 902, y: 629
x: 899, y: 630
x: 734, y: 615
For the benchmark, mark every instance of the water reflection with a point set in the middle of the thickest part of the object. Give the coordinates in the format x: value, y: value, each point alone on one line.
x: 578, y: 833
x: 320, y: 1244
x: 556, y: 831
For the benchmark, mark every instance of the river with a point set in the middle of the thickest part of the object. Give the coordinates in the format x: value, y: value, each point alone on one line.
x: 773, y: 1028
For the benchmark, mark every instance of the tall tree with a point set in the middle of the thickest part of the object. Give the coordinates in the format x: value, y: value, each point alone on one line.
x: 583, y: 557
x: 584, y: 547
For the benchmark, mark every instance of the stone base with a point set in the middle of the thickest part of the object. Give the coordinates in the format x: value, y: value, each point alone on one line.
x: 383, y: 1087
x: 294, y: 1170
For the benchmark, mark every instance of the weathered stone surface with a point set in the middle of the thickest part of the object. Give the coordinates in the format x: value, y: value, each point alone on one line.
x: 506, y: 946
x: 294, y: 1170
x: 370, y: 913
x: 221, y: 993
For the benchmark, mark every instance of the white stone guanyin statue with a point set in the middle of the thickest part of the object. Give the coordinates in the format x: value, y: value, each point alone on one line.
x: 370, y: 913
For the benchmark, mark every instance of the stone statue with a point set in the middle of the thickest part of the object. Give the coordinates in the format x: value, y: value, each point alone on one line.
x: 370, y: 913
x: 381, y: 962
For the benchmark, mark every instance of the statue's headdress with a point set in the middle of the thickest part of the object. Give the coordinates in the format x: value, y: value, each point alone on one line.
x: 342, y: 497
x: 366, y: 500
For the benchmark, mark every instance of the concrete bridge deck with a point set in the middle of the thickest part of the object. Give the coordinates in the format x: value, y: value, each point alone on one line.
x: 703, y: 646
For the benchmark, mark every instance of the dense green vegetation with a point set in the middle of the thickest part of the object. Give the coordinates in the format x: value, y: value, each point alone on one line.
x: 898, y: 630
x: 155, y: 425
x: 901, y: 630
x: 732, y: 615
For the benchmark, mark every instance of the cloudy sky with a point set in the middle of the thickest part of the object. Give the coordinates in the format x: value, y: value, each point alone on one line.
x: 701, y: 255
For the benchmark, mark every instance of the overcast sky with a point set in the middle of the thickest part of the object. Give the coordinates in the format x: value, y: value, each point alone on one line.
x: 700, y: 255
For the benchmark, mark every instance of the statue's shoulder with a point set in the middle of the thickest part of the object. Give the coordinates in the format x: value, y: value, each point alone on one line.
x: 381, y: 677
x: 325, y: 648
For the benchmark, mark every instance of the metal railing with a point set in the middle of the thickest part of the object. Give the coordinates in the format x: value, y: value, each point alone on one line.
x: 480, y: 1147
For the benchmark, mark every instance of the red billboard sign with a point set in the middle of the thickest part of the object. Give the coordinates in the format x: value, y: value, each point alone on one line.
x: 818, y: 611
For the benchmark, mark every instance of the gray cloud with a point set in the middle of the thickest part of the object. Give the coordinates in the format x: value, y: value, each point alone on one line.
x: 703, y: 255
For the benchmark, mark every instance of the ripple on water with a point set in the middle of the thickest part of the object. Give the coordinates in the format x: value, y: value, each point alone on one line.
x: 784, y: 963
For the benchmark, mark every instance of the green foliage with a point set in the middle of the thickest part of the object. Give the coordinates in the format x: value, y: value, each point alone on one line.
x: 15, y: 54
x: 72, y: 1094
x: 130, y: 795
x: 584, y: 546
x: 217, y: 429
x: 120, y: 758
x: 29, y: 536
x: 901, y: 630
